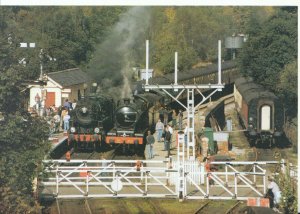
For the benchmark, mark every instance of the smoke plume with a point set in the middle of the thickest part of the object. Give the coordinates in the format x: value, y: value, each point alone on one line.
x: 114, y: 58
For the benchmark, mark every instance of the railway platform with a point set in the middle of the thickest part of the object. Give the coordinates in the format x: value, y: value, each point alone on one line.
x: 57, y: 139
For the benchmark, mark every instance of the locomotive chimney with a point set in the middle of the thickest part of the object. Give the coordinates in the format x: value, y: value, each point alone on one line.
x: 126, y: 101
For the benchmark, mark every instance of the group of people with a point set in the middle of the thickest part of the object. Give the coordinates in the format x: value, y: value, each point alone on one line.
x: 164, y: 132
x: 165, y: 117
x: 60, y: 118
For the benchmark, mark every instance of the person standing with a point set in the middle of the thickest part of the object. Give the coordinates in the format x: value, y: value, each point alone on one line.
x: 159, y: 127
x: 71, y: 105
x: 167, y: 141
x: 67, y: 104
x: 63, y: 113
x: 66, y: 119
x: 150, y: 141
x: 171, y: 132
x: 180, y: 118
x: 275, y: 189
x: 166, y: 116
x: 209, y: 168
x: 174, y: 115
x: 56, y: 122
x: 74, y: 104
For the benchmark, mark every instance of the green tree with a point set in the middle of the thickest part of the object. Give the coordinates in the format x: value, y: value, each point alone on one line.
x: 168, y: 37
x: 287, y: 87
x: 271, y: 46
x: 288, y: 187
x: 68, y: 34
x: 23, y: 145
x: 23, y: 140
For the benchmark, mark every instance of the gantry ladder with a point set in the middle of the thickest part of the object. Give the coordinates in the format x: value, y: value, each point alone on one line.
x: 190, y: 152
x: 180, y: 162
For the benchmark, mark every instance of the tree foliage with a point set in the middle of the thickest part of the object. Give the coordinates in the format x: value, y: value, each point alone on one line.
x: 288, y: 187
x: 270, y: 47
x: 68, y: 34
x: 288, y: 85
x: 194, y: 32
x: 23, y: 145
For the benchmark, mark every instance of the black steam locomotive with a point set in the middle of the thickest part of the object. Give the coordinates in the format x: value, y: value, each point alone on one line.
x: 90, y: 120
x: 132, y: 120
x: 260, y: 111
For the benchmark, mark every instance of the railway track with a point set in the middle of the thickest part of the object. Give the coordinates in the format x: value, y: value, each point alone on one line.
x: 219, y: 207
x: 198, y: 211
x: 235, y: 208
x: 154, y: 207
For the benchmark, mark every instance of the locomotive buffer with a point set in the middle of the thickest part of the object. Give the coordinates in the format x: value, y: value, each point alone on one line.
x: 191, y: 90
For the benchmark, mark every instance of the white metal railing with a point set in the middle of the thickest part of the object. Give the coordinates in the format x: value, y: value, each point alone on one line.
x: 231, y: 181
x: 155, y: 178
x: 105, y: 178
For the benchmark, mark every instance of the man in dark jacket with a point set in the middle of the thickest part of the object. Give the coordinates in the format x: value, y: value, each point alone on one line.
x: 167, y: 139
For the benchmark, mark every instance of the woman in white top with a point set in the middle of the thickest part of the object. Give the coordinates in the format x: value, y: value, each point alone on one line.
x: 275, y: 189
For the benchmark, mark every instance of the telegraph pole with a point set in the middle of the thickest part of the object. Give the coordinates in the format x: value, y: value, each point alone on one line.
x: 42, y: 55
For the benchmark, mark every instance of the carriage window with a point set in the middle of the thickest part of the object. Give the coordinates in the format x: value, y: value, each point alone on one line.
x: 265, y: 119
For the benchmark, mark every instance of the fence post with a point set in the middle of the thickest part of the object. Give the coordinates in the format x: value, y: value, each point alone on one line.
x: 146, y: 182
x: 226, y: 174
x: 207, y: 184
x: 235, y: 184
x: 254, y: 171
x: 283, y: 167
x: 57, y: 175
x: 264, y: 181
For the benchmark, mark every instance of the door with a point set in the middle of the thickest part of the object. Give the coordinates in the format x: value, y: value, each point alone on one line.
x: 265, y: 118
x: 50, y: 99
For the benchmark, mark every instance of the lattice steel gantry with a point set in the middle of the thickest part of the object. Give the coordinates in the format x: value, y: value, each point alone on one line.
x: 191, y: 89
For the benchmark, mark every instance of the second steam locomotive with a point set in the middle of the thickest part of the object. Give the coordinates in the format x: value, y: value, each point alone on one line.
x: 132, y: 120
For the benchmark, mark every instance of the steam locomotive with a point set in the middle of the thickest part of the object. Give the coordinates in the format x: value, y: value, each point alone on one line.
x: 132, y: 120
x: 260, y: 111
x: 90, y: 120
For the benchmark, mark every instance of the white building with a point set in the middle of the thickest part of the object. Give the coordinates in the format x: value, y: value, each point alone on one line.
x: 67, y: 84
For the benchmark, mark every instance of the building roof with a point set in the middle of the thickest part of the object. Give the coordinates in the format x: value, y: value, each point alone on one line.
x: 73, y: 76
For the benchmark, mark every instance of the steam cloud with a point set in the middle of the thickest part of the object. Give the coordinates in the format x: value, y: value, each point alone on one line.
x: 114, y: 59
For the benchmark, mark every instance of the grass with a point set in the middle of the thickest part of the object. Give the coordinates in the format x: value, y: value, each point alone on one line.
x: 135, y: 206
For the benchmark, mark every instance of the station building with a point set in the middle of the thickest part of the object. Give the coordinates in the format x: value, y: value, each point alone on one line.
x: 67, y: 84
